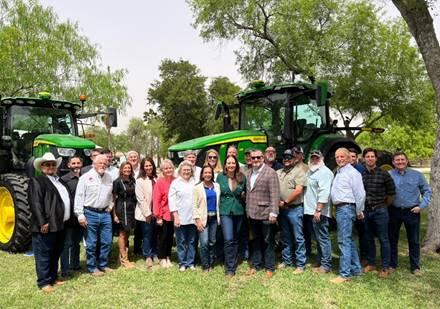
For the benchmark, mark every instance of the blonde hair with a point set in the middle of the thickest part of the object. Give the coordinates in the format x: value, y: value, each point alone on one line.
x: 166, y: 162
x: 218, y: 168
x: 185, y: 163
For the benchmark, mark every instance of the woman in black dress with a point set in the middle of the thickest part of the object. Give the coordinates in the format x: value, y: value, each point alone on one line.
x: 125, y: 202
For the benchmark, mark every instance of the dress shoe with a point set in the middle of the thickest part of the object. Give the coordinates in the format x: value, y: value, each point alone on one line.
x: 107, y: 270
x: 97, y: 273
x: 47, y: 289
x: 417, y: 273
x: 269, y: 274
x: 298, y: 271
x: 60, y: 282
x: 384, y: 273
x: 281, y: 266
x: 320, y: 270
x: 251, y: 272
x: 148, y: 262
x: 391, y: 270
x: 340, y: 280
x: 369, y: 268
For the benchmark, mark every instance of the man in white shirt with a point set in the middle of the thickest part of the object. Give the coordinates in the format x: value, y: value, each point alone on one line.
x: 93, y: 204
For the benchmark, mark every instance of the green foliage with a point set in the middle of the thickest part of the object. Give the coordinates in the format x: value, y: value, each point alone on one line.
x: 221, y: 89
x: 38, y: 52
x: 181, y: 99
x: 370, y: 62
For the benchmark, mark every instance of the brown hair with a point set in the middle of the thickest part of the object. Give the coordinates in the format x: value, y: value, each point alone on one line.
x: 121, y: 168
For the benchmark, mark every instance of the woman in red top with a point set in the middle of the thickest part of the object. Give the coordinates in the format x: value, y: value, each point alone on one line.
x: 161, y: 212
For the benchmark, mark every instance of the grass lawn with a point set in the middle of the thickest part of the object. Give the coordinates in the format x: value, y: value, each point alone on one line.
x: 139, y: 288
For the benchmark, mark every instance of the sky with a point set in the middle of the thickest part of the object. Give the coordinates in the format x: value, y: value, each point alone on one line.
x: 138, y: 34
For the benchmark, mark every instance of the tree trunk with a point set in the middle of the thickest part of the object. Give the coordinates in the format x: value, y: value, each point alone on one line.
x: 417, y: 16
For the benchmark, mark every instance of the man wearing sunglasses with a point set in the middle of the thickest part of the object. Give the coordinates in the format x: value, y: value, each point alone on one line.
x: 293, y: 180
x: 262, y: 200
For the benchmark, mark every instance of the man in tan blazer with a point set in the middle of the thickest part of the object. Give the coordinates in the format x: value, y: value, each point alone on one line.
x: 262, y: 202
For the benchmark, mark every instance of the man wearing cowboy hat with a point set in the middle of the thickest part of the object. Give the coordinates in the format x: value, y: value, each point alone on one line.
x: 51, y: 205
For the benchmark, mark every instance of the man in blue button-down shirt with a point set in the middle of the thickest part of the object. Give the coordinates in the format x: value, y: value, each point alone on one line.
x: 411, y: 185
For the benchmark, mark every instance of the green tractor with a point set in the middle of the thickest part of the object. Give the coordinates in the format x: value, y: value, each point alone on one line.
x: 281, y: 115
x: 30, y: 127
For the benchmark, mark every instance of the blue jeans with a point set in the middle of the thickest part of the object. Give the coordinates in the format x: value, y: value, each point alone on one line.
x: 47, y: 250
x: 349, y: 264
x: 69, y: 260
x: 376, y: 224
x: 412, y: 227
x: 359, y: 226
x: 324, y: 245
x: 292, y: 236
x: 149, y: 238
x: 186, y: 244
x: 263, y: 244
x: 231, y: 228
x: 98, y: 223
x: 207, y: 243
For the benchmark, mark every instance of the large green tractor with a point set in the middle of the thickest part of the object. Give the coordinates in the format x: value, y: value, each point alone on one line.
x: 281, y: 115
x: 30, y: 127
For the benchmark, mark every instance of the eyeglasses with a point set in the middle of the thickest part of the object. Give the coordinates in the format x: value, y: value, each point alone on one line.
x: 256, y: 158
x: 212, y: 157
x: 49, y: 164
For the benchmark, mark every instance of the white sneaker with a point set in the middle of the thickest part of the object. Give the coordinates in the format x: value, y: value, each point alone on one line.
x: 192, y: 267
x: 182, y: 268
x: 163, y: 263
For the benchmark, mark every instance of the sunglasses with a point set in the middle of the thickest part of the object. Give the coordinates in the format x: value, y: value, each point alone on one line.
x: 212, y: 157
x: 287, y: 157
x: 256, y: 158
x: 49, y: 164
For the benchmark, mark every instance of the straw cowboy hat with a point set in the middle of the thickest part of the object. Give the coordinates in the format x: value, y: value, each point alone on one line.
x: 47, y: 157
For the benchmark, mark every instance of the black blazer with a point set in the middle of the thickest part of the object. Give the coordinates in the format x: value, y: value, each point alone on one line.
x: 46, y: 204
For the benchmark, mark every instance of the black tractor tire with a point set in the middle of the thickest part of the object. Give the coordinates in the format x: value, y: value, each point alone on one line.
x: 17, y: 186
x: 385, y: 160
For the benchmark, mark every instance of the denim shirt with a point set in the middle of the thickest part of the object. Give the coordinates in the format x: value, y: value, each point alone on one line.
x: 409, y: 186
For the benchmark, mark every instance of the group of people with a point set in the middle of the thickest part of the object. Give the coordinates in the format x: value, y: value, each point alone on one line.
x: 242, y: 205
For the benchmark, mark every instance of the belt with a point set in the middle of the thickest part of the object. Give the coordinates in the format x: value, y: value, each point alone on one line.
x: 345, y: 204
x: 212, y: 213
x: 372, y: 208
x: 406, y: 208
x: 295, y: 205
x: 101, y: 210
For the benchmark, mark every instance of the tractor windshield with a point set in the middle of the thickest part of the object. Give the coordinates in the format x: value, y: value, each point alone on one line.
x: 27, y: 122
x: 283, y: 115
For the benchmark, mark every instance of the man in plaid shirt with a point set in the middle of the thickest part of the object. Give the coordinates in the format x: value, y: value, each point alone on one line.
x: 380, y: 190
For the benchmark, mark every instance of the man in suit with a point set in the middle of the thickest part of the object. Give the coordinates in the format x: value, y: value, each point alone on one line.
x: 51, y: 205
x: 262, y: 199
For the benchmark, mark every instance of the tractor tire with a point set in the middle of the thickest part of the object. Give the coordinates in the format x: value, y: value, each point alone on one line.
x: 15, y: 215
x: 385, y: 160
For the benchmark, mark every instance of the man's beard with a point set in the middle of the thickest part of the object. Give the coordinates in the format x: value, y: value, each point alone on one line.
x: 270, y: 159
x: 314, y: 167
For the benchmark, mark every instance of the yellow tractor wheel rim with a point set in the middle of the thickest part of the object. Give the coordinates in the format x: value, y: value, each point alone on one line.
x: 386, y: 167
x: 7, y: 215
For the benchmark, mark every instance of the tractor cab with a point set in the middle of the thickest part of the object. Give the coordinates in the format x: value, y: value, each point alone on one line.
x: 289, y: 114
x: 32, y: 126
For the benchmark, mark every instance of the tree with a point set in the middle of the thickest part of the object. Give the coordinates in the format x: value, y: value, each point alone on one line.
x: 221, y: 89
x: 416, y: 14
x: 370, y: 63
x: 37, y: 51
x: 180, y: 98
x: 40, y: 53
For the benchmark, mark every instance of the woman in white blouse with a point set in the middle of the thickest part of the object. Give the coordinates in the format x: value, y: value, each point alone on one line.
x: 180, y: 203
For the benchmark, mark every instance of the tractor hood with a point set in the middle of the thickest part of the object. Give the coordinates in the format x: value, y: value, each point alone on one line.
x: 221, y: 138
x: 64, y: 141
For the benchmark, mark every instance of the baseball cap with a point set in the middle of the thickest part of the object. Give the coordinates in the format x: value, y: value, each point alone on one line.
x: 287, y: 154
x: 315, y: 153
x: 297, y: 149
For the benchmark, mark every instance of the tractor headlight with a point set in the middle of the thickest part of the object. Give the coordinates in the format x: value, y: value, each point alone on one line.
x: 87, y: 152
x: 66, y: 152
